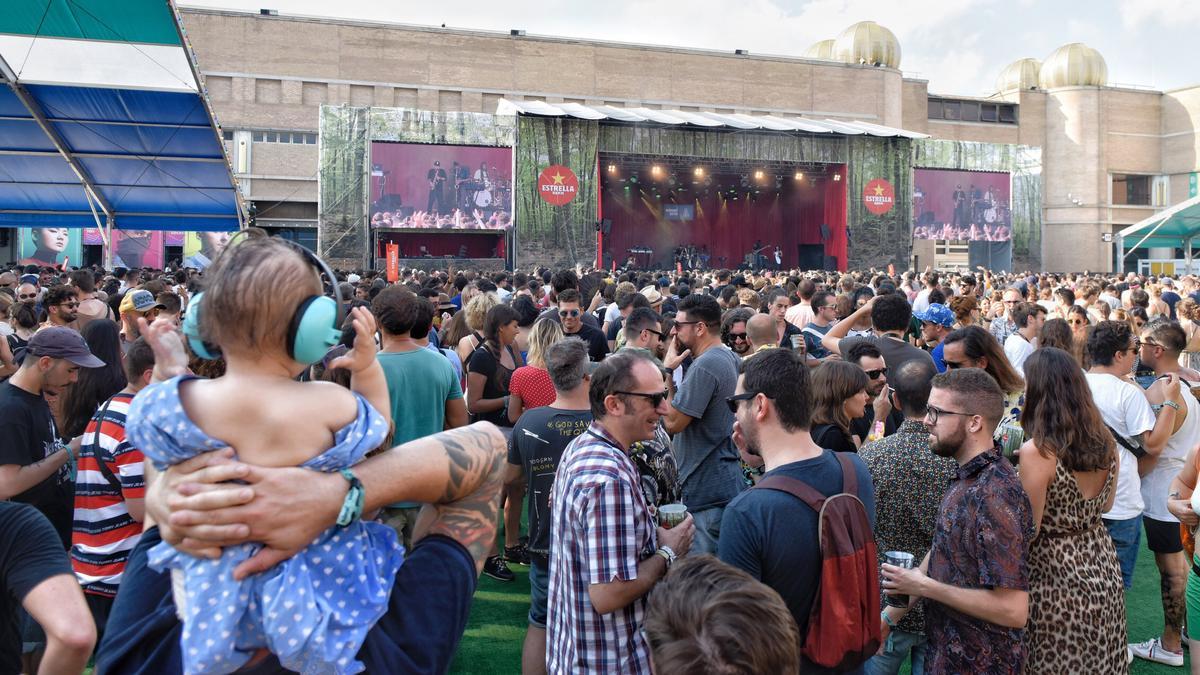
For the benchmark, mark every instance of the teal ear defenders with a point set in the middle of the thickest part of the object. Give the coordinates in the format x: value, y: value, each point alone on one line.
x: 315, y: 326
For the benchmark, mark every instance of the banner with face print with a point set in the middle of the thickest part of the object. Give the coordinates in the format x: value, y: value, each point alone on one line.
x: 49, y: 246
x: 201, y: 248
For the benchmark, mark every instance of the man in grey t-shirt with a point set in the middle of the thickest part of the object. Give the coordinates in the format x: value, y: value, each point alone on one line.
x: 700, y: 419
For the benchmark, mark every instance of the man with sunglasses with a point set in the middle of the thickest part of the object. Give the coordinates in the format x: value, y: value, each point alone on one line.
x: 606, y: 552
x: 28, y: 293
x: 824, y: 315
x: 1161, y: 345
x: 733, y: 330
x: 62, y: 306
x: 975, y: 578
x: 770, y: 534
x: 936, y: 323
x: 643, y: 333
x: 699, y: 418
x: 1141, y: 434
x: 1004, y: 325
x: 571, y: 316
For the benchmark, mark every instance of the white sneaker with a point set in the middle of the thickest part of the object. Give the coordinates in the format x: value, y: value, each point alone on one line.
x: 1152, y: 650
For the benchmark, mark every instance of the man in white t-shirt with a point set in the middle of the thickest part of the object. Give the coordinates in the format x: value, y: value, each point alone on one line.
x: 1161, y: 344
x: 1029, y: 318
x: 1113, y: 349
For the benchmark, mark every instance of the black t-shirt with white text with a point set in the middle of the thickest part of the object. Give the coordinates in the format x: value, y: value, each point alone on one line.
x: 28, y: 435
x: 538, y: 441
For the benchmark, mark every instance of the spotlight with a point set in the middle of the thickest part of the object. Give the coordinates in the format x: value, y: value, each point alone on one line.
x: 633, y: 178
x: 799, y: 175
x: 837, y: 177
x: 612, y: 168
x: 656, y: 171
x: 698, y: 172
x: 758, y: 175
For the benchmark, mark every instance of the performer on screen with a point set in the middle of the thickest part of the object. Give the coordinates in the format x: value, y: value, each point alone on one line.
x: 778, y: 258
x: 437, y: 184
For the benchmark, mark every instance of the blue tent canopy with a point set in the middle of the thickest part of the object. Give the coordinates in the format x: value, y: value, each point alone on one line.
x: 103, y: 121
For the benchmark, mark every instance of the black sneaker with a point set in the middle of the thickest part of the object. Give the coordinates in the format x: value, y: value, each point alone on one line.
x: 518, y: 554
x: 495, y: 568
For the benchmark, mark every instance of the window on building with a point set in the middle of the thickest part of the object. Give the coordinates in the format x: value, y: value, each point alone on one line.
x: 951, y: 110
x: 935, y: 109
x: 1131, y: 190
x: 989, y: 112
x: 291, y: 137
x: 972, y: 111
x: 227, y: 134
x: 1008, y: 113
x: 969, y: 111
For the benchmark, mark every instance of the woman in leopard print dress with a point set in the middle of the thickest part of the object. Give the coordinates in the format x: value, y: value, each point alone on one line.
x: 1076, y: 598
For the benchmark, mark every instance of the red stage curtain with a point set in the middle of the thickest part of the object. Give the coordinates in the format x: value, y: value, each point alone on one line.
x: 835, y: 217
x: 728, y: 227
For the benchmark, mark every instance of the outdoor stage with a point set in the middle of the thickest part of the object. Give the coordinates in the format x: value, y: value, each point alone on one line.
x: 724, y: 211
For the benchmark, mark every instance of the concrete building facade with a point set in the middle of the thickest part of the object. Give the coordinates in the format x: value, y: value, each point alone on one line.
x: 1111, y: 155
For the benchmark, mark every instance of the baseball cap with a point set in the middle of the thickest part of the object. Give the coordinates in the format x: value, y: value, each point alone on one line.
x: 139, y: 300
x: 937, y: 313
x: 652, y: 294
x: 29, y: 279
x: 62, y: 343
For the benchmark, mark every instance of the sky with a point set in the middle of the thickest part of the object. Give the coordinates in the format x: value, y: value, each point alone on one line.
x: 959, y: 46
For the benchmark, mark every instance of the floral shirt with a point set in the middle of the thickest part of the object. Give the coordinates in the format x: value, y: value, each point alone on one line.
x: 910, y: 481
x: 984, y: 528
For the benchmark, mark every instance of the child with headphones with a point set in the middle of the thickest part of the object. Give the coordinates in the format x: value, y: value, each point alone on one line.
x: 263, y: 311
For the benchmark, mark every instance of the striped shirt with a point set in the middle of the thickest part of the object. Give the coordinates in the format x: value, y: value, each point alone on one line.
x: 104, y: 532
x: 600, y: 530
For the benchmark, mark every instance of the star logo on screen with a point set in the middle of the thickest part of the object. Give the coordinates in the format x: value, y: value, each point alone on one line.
x: 878, y: 190
x: 558, y: 178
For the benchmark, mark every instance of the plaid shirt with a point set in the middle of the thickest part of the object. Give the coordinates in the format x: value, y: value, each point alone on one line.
x: 601, y: 529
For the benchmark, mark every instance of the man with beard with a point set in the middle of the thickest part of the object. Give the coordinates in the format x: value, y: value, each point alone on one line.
x: 773, y: 407
x: 868, y: 357
x: 975, y: 578
x: 62, y: 306
x: 733, y: 331
x: 570, y: 314
x: 699, y: 418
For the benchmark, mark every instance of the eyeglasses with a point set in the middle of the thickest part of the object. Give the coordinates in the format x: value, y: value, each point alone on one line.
x: 737, y: 336
x: 1149, y: 342
x: 932, y: 413
x: 874, y: 374
x: 686, y: 323
x: 1137, y: 344
x: 68, y: 305
x: 564, y: 313
x: 733, y: 401
x: 655, y: 399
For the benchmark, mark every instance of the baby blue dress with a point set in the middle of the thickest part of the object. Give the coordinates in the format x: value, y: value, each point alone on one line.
x: 312, y: 611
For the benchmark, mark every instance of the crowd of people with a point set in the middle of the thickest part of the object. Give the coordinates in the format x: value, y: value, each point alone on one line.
x: 273, y: 466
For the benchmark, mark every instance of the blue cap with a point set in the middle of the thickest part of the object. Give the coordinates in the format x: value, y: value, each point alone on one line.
x: 937, y: 313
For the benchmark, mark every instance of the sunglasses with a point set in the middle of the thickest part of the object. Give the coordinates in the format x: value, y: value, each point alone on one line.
x: 564, y: 313
x: 733, y: 401
x: 737, y: 336
x: 661, y: 335
x: 655, y: 399
x: 1078, y: 322
x: 874, y: 374
x: 68, y: 305
x: 26, y: 296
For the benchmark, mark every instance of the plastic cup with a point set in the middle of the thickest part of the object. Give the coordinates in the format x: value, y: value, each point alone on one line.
x: 797, y: 341
x: 899, y: 559
x: 670, y: 515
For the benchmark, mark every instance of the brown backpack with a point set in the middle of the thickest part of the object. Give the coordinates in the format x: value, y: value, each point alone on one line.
x: 843, y: 625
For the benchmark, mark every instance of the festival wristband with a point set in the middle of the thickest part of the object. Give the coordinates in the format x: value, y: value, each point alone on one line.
x: 352, y: 505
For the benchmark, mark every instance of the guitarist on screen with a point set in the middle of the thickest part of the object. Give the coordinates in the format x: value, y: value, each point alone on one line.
x: 437, y: 181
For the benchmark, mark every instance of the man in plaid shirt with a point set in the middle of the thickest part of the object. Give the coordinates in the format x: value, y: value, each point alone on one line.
x: 606, y: 553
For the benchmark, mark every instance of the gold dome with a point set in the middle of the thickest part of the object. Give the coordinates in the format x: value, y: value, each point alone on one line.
x: 1074, y: 65
x: 820, y: 50
x: 869, y: 43
x: 1020, y: 74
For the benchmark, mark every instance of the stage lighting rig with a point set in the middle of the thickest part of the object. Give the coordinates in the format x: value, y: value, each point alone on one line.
x: 837, y: 177
x: 799, y: 175
x: 698, y: 172
x: 612, y: 168
x: 759, y: 175
x: 656, y: 171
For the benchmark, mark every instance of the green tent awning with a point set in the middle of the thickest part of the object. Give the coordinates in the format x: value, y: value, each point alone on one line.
x: 1175, y: 227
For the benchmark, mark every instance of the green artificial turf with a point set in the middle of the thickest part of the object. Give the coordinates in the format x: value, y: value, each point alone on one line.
x: 492, y: 642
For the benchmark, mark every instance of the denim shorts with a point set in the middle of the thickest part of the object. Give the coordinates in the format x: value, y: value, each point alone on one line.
x: 539, y: 590
x: 1127, y: 537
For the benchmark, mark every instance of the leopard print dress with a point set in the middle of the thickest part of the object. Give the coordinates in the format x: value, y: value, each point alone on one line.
x: 1076, y: 600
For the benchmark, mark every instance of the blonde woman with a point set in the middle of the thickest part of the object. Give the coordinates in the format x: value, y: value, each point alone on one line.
x: 1189, y: 319
x: 530, y: 386
x: 475, y: 312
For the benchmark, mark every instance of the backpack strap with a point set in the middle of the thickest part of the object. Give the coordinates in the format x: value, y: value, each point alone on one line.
x: 849, y: 475
x: 796, y: 488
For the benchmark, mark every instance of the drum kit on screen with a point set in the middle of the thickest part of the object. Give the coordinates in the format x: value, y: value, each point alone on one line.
x: 484, y: 194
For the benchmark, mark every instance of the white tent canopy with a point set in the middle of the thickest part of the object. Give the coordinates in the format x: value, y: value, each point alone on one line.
x: 702, y: 119
x: 1175, y: 227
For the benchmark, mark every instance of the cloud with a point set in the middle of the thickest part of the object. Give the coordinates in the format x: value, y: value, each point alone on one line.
x: 1163, y: 12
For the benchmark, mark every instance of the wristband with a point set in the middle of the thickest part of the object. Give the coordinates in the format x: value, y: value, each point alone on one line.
x: 887, y: 619
x: 1171, y: 404
x: 70, y: 461
x: 352, y: 505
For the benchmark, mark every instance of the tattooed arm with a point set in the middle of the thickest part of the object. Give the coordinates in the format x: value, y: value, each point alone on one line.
x: 458, y: 472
